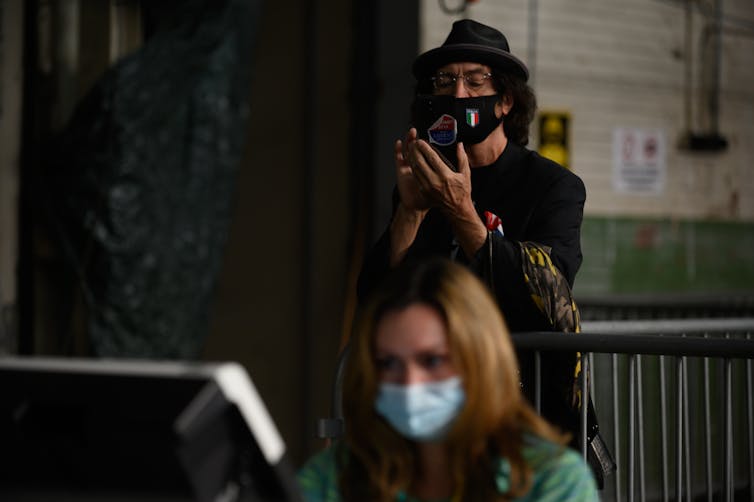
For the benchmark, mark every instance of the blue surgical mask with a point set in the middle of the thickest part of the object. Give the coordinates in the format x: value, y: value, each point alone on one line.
x: 422, y: 411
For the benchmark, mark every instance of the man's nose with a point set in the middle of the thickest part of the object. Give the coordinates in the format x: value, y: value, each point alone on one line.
x: 460, y: 90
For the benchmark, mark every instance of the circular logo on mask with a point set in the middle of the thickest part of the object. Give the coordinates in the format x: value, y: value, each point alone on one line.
x: 444, y: 131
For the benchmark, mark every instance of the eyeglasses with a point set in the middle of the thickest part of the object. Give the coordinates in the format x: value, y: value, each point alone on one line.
x: 471, y: 80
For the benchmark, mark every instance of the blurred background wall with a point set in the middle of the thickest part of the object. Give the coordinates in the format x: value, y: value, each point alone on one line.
x: 651, y: 102
x: 655, y: 100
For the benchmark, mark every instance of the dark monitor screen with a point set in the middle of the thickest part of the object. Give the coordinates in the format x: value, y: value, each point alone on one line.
x: 75, y: 429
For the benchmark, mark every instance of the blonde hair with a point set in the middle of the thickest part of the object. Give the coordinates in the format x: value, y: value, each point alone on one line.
x: 381, y: 462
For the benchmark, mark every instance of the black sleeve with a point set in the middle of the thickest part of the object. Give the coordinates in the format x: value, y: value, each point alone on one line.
x: 376, y: 263
x: 556, y: 223
x: 375, y: 267
x: 504, y: 275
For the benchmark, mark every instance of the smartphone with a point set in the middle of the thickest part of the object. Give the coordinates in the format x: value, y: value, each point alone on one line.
x: 432, y: 116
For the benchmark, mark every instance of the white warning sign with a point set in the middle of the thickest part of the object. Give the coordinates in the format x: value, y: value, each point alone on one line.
x: 639, y: 160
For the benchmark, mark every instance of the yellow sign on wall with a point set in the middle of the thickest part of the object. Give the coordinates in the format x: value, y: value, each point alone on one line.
x: 554, y: 137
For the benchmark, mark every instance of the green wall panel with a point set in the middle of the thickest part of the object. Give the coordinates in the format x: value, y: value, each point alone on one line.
x: 623, y: 255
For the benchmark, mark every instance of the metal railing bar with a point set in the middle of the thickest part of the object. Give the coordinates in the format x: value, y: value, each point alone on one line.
x: 646, y: 301
x: 728, y: 463
x: 591, y: 380
x: 635, y: 344
x: 671, y: 326
x: 616, y: 427
x: 679, y: 432
x: 337, y: 404
x: 707, y: 430
x: 640, y: 420
x: 663, y: 430
x: 631, y: 424
x: 584, y: 401
x: 686, y: 428
x: 750, y: 423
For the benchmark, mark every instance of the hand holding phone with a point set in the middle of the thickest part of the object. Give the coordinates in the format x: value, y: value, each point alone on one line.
x: 432, y: 117
x: 445, y: 120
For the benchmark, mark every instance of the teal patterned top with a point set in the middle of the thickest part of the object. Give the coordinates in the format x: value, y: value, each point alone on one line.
x: 560, y: 474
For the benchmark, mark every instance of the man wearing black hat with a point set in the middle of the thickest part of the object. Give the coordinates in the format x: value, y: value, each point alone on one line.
x: 512, y: 216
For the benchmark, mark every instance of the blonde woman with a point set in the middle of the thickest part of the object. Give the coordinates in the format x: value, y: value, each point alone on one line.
x: 433, y: 406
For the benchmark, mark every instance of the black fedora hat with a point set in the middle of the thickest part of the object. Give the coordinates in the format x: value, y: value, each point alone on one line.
x: 471, y: 41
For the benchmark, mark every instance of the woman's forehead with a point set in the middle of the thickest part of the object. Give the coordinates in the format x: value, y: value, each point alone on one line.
x: 418, y: 327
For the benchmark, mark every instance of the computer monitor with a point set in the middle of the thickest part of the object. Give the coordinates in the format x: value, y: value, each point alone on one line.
x: 116, y: 430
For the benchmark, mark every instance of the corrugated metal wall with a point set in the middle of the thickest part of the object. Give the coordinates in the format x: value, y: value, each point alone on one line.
x: 617, y: 64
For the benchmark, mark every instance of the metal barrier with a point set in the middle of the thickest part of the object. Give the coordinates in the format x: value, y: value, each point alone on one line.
x: 637, y: 342
x: 738, y: 304
x: 641, y: 349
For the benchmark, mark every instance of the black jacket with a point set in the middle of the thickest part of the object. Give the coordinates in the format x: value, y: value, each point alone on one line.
x: 539, y: 201
x: 536, y: 199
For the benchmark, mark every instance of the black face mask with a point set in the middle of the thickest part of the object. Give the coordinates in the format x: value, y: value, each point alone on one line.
x: 434, y: 117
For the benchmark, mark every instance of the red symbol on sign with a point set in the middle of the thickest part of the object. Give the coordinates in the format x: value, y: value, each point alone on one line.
x: 650, y: 147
